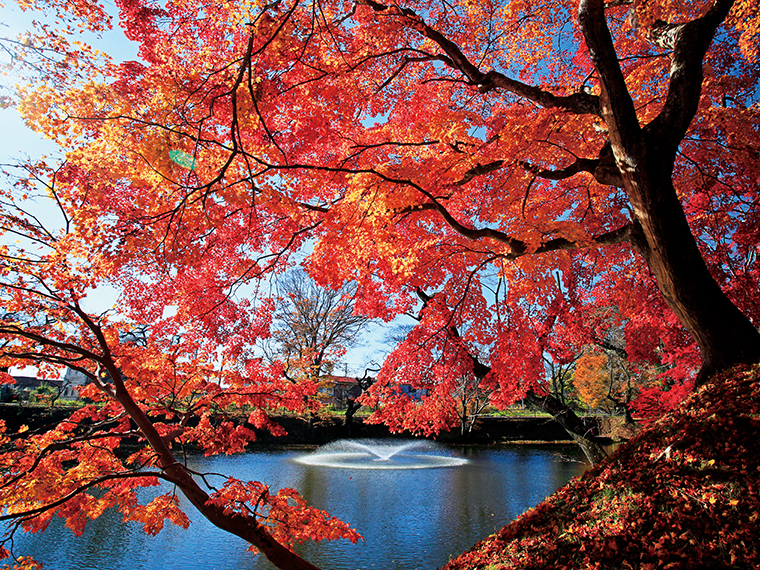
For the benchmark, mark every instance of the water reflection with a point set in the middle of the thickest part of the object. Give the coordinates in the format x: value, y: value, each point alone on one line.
x: 410, y: 518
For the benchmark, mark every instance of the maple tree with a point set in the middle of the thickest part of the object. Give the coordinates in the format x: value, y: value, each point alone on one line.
x: 472, y: 400
x: 170, y: 387
x: 523, y: 165
x: 436, y: 360
x: 591, y: 378
x: 605, y: 379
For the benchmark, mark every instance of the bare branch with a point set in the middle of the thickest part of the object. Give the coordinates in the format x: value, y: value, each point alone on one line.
x: 617, y: 107
x: 603, y: 169
x: 480, y: 170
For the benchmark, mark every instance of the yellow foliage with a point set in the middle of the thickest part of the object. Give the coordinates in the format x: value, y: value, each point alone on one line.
x: 592, y: 378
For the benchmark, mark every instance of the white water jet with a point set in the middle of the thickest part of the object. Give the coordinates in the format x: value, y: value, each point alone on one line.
x: 380, y: 454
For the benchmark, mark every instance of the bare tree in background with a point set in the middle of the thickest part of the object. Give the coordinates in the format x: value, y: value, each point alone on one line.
x: 313, y: 327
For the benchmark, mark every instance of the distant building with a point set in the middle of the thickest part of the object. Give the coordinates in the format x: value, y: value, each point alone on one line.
x: 337, y: 390
x: 73, y: 380
x: 24, y: 387
x: 66, y: 388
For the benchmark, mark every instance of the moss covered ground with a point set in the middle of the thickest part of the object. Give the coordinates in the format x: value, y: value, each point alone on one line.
x: 683, y: 494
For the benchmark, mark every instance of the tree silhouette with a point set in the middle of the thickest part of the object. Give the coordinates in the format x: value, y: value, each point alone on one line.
x: 314, y: 326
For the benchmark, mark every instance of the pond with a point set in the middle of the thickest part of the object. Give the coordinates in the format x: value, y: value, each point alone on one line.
x: 411, y: 519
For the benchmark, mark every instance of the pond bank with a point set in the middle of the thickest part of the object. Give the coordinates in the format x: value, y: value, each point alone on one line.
x: 487, y: 431
x: 684, y: 494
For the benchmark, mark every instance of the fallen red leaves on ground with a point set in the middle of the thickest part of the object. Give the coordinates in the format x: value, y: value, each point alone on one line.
x: 685, y: 493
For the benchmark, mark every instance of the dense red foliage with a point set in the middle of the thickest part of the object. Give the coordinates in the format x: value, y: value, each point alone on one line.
x: 543, y: 172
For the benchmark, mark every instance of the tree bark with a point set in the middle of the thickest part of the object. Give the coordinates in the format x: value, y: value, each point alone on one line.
x: 724, y: 334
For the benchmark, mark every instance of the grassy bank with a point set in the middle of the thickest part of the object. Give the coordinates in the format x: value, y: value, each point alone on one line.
x: 323, y: 428
x: 684, y: 494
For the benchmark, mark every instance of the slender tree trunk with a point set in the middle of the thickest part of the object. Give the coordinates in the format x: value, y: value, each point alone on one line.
x: 572, y: 424
x: 242, y: 525
x: 562, y: 413
x: 351, y: 408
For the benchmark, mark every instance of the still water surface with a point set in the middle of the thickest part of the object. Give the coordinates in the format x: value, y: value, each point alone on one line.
x: 411, y: 519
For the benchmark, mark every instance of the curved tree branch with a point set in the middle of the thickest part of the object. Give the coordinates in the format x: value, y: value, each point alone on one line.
x: 617, y: 108
x: 580, y: 103
x: 79, y: 490
x: 691, y: 43
x: 603, y: 169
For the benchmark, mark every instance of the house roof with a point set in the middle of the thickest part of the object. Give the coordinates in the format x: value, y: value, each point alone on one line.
x: 348, y: 380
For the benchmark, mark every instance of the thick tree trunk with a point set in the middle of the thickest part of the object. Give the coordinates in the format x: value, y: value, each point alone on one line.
x: 724, y: 334
x: 645, y: 157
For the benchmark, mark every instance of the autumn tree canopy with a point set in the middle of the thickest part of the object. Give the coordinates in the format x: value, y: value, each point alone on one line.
x: 542, y: 171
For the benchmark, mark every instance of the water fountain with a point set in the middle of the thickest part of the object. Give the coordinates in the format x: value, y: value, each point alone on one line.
x: 381, y: 454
